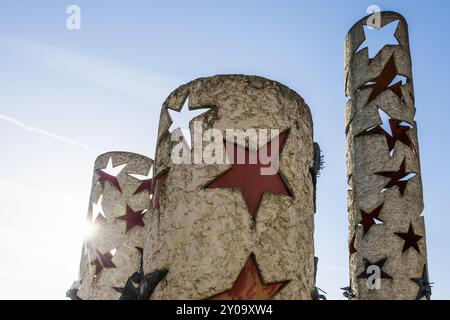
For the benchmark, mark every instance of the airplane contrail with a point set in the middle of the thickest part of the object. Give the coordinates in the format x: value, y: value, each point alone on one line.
x: 24, y: 126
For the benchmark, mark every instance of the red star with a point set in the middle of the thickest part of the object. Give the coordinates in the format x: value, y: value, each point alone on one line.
x: 146, y: 185
x: 369, y: 219
x: 398, y: 178
x: 399, y: 133
x: 248, y: 178
x: 103, y: 261
x: 250, y: 286
x: 410, y: 238
x: 382, y: 83
x: 133, y: 218
x: 103, y: 176
x: 159, y: 183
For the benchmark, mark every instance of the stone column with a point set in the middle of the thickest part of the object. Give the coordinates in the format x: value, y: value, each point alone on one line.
x: 385, y: 200
x: 118, y: 210
x: 225, y: 231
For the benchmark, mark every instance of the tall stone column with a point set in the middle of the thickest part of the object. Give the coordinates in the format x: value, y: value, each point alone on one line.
x: 118, y: 209
x: 227, y: 231
x: 385, y: 200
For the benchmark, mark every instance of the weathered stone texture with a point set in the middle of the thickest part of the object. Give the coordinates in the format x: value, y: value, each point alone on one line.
x: 369, y: 154
x: 111, y: 232
x: 205, y: 236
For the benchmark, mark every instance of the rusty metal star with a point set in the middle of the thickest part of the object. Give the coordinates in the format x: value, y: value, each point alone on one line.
x: 250, y: 286
x: 399, y: 178
x: 247, y: 177
x: 133, y: 218
x: 410, y: 238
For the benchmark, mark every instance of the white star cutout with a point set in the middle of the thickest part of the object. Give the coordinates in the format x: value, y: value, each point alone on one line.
x: 376, y: 39
x: 182, y: 118
x: 113, y: 171
x: 97, y: 209
x: 142, y: 177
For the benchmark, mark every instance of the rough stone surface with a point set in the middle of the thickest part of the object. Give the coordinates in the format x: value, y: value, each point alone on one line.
x: 111, y: 232
x: 205, y: 236
x: 369, y: 154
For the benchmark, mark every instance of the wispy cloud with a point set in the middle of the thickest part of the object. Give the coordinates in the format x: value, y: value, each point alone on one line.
x: 110, y: 75
x: 24, y: 126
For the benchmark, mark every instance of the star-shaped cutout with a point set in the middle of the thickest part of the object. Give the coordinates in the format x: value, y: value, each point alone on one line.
x: 146, y: 182
x: 97, y: 211
x: 110, y: 174
x: 250, y: 286
x: 370, y: 219
x: 182, y: 118
x: 159, y: 183
x: 377, y: 38
x: 133, y: 218
x: 379, y: 263
x: 410, y: 238
x: 395, y: 131
x: 103, y: 260
x: 389, y: 79
x: 399, y: 178
x: 248, y: 177
x: 424, y: 285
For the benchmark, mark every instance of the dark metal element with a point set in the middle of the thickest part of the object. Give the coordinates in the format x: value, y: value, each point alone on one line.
x: 369, y: 219
x: 382, y: 83
x: 140, y: 286
x: 410, y: 238
x: 72, y: 293
x: 315, y: 170
x: 396, y: 177
x: 348, y: 292
x: 399, y: 133
x: 379, y: 263
x: 316, y: 294
x: 424, y: 285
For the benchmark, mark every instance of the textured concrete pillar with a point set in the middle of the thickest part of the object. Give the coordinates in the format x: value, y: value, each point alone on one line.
x: 224, y: 231
x: 118, y: 210
x: 385, y: 199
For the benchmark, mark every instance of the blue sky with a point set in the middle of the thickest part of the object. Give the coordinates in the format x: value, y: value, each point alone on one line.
x: 100, y: 88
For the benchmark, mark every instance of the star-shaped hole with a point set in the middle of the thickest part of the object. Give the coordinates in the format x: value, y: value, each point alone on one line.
x: 368, y: 219
x: 393, y: 130
x: 97, y: 210
x: 377, y: 38
x: 388, y: 80
x: 146, y: 182
x: 182, y: 118
x: 110, y: 174
x: 399, y: 178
